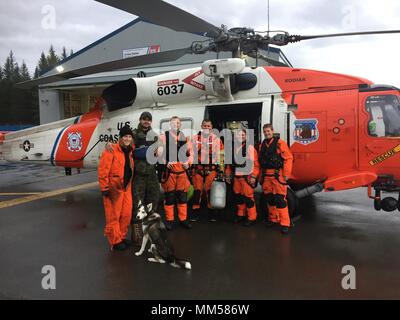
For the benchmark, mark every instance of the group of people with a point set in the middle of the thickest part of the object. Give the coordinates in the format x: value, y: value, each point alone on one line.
x: 130, y: 172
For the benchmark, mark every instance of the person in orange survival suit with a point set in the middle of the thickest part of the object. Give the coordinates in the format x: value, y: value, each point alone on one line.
x: 177, y: 157
x: 115, y: 176
x: 276, y: 163
x: 245, y: 174
x: 209, y: 163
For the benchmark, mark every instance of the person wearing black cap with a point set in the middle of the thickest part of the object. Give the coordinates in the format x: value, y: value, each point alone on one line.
x: 115, y: 179
x: 146, y: 187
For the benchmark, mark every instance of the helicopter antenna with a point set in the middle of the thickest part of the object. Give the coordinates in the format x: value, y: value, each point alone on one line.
x: 268, y: 16
x: 268, y: 26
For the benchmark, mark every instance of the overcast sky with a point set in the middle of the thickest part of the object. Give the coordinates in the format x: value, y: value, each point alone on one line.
x: 25, y: 28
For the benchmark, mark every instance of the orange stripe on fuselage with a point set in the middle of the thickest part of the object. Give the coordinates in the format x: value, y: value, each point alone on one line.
x: 75, y: 140
x: 294, y: 80
x: 1, y: 137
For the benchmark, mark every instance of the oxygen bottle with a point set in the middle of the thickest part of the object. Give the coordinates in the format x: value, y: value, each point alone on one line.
x: 218, y: 194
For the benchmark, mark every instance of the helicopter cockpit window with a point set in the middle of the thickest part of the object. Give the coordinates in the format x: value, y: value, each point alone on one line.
x: 186, y: 125
x: 384, y: 120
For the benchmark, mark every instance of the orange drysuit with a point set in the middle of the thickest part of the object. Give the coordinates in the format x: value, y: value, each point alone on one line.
x: 118, y: 204
x: 273, y: 184
x: 176, y: 181
x: 242, y: 190
x: 208, y: 162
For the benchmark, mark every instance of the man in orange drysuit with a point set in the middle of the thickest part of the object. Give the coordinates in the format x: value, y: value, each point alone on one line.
x: 177, y: 157
x: 276, y: 163
x: 209, y: 162
x: 115, y: 176
x: 245, y: 169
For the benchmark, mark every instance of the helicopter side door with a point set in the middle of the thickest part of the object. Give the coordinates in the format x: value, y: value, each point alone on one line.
x: 379, y: 132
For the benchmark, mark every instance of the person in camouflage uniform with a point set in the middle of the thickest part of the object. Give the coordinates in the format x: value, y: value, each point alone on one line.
x: 145, y: 181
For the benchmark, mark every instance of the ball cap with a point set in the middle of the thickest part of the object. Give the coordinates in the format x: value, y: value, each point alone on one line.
x: 146, y: 115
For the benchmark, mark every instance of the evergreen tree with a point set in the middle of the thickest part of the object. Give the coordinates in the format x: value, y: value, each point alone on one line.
x: 64, y: 53
x: 24, y: 73
x: 16, y: 75
x: 36, y: 74
x: 9, y: 67
x: 1, y: 73
x: 43, y: 64
x: 52, y: 58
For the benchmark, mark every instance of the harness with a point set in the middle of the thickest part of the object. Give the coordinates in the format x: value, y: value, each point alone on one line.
x: 163, y: 170
x: 204, y: 169
x: 269, y: 157
x: 244, y: 151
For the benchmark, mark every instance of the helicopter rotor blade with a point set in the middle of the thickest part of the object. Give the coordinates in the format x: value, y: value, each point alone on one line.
x: 107, y: 66
x: 165, y: 14
x: 296, y: 38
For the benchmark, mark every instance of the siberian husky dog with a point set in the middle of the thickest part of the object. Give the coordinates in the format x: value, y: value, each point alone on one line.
x: 155, y: 231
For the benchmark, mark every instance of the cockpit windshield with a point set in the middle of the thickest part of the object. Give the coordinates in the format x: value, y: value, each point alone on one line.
x: 384, y: 120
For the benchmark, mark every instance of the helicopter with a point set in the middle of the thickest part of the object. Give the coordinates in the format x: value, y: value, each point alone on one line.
x: 344, y: 131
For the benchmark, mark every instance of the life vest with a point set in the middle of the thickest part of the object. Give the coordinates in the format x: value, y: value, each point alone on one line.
x: 244, y: 149
x: 269, y: 157
x: 199, y: 144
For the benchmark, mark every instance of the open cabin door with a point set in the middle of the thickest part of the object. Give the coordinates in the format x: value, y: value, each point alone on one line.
x: 246, y: 116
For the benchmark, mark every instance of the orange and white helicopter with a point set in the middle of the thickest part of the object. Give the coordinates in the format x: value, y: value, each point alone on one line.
x: 344, y: 131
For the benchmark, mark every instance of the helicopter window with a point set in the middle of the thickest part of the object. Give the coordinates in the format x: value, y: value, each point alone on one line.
x: 186, y: 125
x: 384, y: 120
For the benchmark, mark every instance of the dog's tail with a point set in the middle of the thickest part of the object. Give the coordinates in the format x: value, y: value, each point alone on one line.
x: 177, y: 263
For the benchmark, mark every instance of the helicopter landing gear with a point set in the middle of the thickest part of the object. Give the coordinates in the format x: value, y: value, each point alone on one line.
x: 377, y: 200
x: 387, y: 204
x: 68, y: 171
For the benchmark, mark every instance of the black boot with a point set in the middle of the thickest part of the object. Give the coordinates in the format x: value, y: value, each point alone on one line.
x: 121, y: 246
x: 284, y: 230
x: 127, y: 242
x: 195, y: 215
x: 169, y: 225
x: 269, y: 223
x: 186, y: 224
x: 212, y: 215
x: 238, y: 219
x: 249, y: 223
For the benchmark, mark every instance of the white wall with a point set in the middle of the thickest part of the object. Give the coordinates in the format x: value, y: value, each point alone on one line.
x: 50, y: 107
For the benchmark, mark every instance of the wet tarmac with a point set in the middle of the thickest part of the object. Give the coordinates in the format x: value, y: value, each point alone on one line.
x: 229, y: 261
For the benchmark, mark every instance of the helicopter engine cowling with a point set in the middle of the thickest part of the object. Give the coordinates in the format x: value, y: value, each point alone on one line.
x: 212, y: 79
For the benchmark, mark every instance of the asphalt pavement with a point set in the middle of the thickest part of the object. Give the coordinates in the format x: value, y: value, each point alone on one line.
x: 229, y: 261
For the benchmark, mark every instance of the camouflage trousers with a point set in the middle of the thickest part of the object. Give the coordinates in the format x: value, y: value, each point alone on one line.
x: 146, y: 188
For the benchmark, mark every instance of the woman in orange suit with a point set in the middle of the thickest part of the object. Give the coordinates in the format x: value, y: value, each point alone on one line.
x: 115, y: 176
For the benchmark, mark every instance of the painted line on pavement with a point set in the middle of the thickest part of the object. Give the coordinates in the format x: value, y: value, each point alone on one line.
x: 43, y: 195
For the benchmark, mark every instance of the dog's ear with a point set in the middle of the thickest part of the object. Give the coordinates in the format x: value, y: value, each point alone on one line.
x: 139, y: 204
x: 149, y: 207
